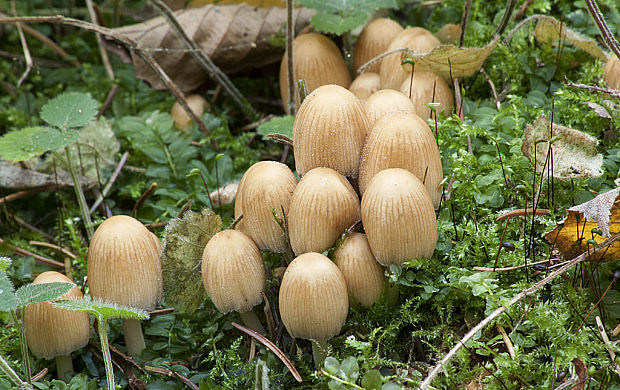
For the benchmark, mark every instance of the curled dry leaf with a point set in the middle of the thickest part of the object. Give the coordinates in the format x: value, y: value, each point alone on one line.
x: 574, y: 152
x: 235, y: 37
x: 572, y: 234
x: 450, y: 33
x: 182, y: 250
x: 549, y: 28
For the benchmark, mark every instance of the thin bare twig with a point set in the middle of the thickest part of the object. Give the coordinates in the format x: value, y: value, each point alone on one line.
x: 464, y: 22
x: 510, y: 6
x: 526, y: 4
x: 613, y: 92
x: 143, y: 198
x: 22, y: 38
x: 39, y: 258
x: 612, y: 355
x: 53, y: 246
x: 492, y: 86
x: 496, y: 269
x: 521, y: 24
x: 612, y: 43
x: 108, y: 186
x: 102, y: 51
x: 29, y: 226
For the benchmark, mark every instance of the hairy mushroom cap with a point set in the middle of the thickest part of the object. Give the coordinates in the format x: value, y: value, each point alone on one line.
x: 233, y: 272
x: 428, y: 87
x: 317, y: 60
x: 123, y: 264
x: 313, y: 298
x: 385, y: 101
x: 196, y: 103
x: 398, y: 217
x: 267, y: 186
x: 323, y: 205
x: 612, y: 72
x: 329, y: 131
x: 52, y: 331
x: 403, y: 140
x: 365, y: 85
x: 364, y: 276
x: 417, y: 39
x: 374, y: 40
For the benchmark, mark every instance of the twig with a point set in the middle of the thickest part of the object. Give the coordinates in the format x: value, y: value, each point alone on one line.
x: 56, y: 247
x: 254, y: 125
x: 508, y: 268
x: 613, y: 92
x: 22, y: 39
x: 526, y: 4
x: 19, y: 194
x: 612, y: 355
x: 612, y: 43
x: 108, y: 186
x: 38, y: 376
x: 464, y: 22
x: 371, y: 61
x: 507, y: 341
x: 521, y: 212
x: 102, y: 51
x: 155, y: 225
x: 8, y: 371
x: 280, y: 138
x: 596, y: 304
x: 170, y: 373
x: 521, y: 24
x: 37, y: 61
x: 29, y: 226
x: 488, y: 79
x: 523, y: 294
x: 39, y: 258
x: 510, y: 6
x: 160, y: 312
x: 108, y: 100
x: 143, y: 198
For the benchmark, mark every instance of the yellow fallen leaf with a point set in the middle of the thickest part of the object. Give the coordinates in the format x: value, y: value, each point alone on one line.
x: 548, y: 28
x: 450, y: 33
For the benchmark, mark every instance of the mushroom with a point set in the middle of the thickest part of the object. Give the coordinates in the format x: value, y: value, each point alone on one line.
x: 313, y: 301
x: 365, y: 85
x: 323, y: 205
x: 612, y: 72
x: 196, y: 103
x: 124, y: 268
x: 329, y: 131
x: 374, y: 40
x: 317, y: 60
x: 398, y: 217
x: 385, y: 101
x: 363, y: 274
x: 428, y: 87
x: 53, y: 332
x: 233, y: 274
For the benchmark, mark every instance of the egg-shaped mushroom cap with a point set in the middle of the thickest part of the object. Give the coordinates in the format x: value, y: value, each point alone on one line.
x: 324, y: 204
x: 612, y: 72
x: 52, y: 331
x: 398, y: 217
x: 266, y: 187
x: 196, y: 103
x: 329, y: 131
x: 313, y: 298
x: 123, y: 264
x: 417, y: 39
x: 365, y: 85
x: 428, y: 87
x: 233, y: 272
x: 403, y: 140
x: 374, y: 40
x: 317, y: 60
x: 364, y: 275
x: 384, y: 102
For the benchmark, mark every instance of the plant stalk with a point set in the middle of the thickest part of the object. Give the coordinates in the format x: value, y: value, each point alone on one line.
x: 319, y: 353
x: 8, y: 370
x: 134, y: 338
x: 80, y: 196
x: 251, y: 321
x: 105, y: 351
x: 22, y: 342
x: 64, y: 366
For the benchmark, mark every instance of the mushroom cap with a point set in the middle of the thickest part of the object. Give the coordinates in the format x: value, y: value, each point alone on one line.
x: 324, y: 204
x: 365, y: 85
x: 612, y: 72
x: 385, y: 101
x: 123, y: 264
x: 365, y: 277
x: 318, y: 61
x: 52, y: 331
x: 398, y: 217
x: 196, y: 103
x: 429, y: 87
x: 268, y: 186
x: 374, y: 40
x: 403, y: 140
x: 313, y: 298
x: 233, y: 272
x: 417, y: 39
x: 329, y: 131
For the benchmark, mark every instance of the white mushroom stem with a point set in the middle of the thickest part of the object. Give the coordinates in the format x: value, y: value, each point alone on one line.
x: 134, y: 339
x: 319, y: 353
x: 64, y: 366
x: 251, y: 321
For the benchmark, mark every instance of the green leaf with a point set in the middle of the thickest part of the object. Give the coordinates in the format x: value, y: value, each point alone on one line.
x: 70, y: 110
x: 4, y: 263
x: 332, y: 366
x: 43, y: 292
x: 336, y: 24
x: 34, y: 141
x: 350, y: 368
x: 278, y: 125
x: 339, y: 16
x: 391, y: 386
x: 7, y: 297
x: 103, y: 309
x: 372, y: 380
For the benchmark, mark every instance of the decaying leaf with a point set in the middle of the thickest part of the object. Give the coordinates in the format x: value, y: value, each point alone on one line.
x: 574, y: 152
x: 598, y: 109
x: 582, y: 374
x: 452, y: 62
x: 450, y: 33
x: 548, y: 28
x: 235, y: 37
x: 572, y: 235
x: 14, y: 177
x: 181, y: 256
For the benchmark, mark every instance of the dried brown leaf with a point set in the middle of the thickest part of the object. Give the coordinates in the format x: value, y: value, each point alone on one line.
x: 235, y: 37
x: 582, y: 374
x: 548, y: 28
x: 450, y: 33
x: 14, y: 177
x: 598, y: 109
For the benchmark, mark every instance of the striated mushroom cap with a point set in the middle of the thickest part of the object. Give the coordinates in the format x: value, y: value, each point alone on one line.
x: 429, y: 87
x: 313, y: 298
x: 385, y: 101
x: 323, y: 205
x: 329, y: 131
x: 398, y: 217
x: 233, y: 272
x: 365, y: 85
x: 612, y: 72
x: 196, y: 103
x: 123, y: 264
x: 374, y: 40
x: 363, y: 274
x: 317, y: 60
x: 417, y: 39
x: 267, y: 185
x: 52, y: 331
x: 403, y: 140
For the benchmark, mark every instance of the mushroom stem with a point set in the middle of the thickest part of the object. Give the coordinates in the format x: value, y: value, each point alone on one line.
x: 134, y: 339
x: 319, y: 353
x: 64, y: 366
x: 251, y: 321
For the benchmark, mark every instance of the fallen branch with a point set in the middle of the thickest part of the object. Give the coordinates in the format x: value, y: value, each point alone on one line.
x: 39, y: 258
x: 613, y: 92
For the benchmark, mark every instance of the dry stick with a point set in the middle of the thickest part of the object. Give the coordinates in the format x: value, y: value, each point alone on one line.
x: 523, y: 8
x: 612, y: 355
x: 613, y: 92
x: 464, y: 22
x: 108, y: 186
x: 39, y: 258
x: 491, y: 269
x: 52, y: 246
x: 37, y: 61
x: 612, y: 43
x: 510, y: 6
x: 19, y: 194
x: 27, y: 57
x: 490, y: 82
x: 102, y: 51
x: 596, y: 304
x: 142, y: 199
x: 204, y: 60
x: 521, y: 24
x: 108, y: 100
x: 29, y: 226
x: 170, y: 373
x: 523, y: 294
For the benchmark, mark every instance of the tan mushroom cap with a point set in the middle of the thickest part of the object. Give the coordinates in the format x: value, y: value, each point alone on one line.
x: 329, y: 131
x: 365, y: 85
x: 324, y: 204
x: 233, y: 272
x: 52, y: 331
x: 417, y: 39
x: 267, y: 186
x: 403, y: 140
x: 313, y: 298
x: 386, y: 101
x: 398, y: 217
x: 374, y: 40
x: 123, y: 264
x: 612, y: 72
x: 429, y: 87
x: 317, y: 60
x: 196, y: 103
x: 365, y: 277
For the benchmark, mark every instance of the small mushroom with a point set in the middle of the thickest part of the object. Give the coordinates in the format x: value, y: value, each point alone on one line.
x: 385, y: 101
x: 53, y: 332
x: 196, y: 103
x: 611, y: 72
x: 428, y: 87
x: 374, y: 40
x: 365, y: 85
